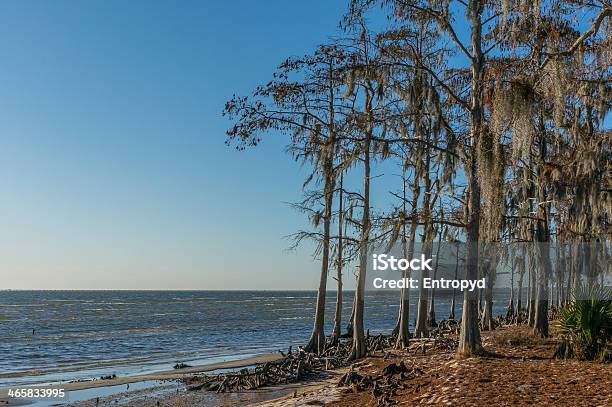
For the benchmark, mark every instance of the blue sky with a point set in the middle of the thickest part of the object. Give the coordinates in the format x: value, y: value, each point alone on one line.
x: 113, y: 168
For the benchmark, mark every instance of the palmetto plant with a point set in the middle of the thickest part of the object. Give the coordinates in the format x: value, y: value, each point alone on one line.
x: 586, y: 324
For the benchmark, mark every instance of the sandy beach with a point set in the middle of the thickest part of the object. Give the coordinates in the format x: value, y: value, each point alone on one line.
x: 167, y: 375
x: 516, y: 370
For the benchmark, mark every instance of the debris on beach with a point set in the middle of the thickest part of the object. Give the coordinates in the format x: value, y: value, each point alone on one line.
x: 384, y: 385
x: 181, y: 366
x: 294, y: 366
x: 300, y: 365
x: 81, y: 380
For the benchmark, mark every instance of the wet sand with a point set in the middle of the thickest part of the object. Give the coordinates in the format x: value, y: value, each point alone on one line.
x: 270, y: 396
x: 157, y: 376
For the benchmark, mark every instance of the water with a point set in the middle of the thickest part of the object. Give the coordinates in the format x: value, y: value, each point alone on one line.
x: 87, y: 334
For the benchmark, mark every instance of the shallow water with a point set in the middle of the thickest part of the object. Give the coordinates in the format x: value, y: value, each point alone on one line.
x: 50, y: 336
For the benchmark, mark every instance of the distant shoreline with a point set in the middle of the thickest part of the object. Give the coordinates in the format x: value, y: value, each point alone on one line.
x: 351, y: 290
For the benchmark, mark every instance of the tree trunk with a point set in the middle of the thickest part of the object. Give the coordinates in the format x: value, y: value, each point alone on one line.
x: 578, y: 265
x: 570, y: 275
x: 452, y: 311
x: 338, y: 314
x: 551, y: 292
x: 403, y: 327
x: 349, y: 323
x: 317, y: 337
x: 359, y: 349
x: 519, y: 305
x: 421, y: 329
x: 431, y: 318
x: 510, y: 310
x: 469, y: 337
x: 560, y: 276
x: 532, y: 292
x: 540, y: 327
x: 487, y: 313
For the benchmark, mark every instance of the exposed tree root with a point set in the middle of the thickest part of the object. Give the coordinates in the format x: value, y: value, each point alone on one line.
x: 383, y: 386
x: 302, y: 365
x: 295, y: 366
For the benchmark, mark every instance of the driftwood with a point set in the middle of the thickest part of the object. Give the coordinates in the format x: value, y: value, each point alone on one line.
x: 293, y: 367
x: 445, y: 327
x: 383, y: 386
x: 181, y: 366
x: 300, y: 365
x: 422, y: 346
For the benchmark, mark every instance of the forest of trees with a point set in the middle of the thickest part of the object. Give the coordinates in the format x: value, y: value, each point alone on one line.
x: 493, y: 111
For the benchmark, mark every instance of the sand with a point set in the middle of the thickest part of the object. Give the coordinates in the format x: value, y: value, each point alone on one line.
x: 162, y: 375
x: 518, y: 370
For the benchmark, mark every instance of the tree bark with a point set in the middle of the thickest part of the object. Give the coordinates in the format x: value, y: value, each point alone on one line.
x: 431, y: 318
x: 349, y: 323
x: 421, y: 329
x: 403, y: 327
x: 338, y: 314
x: 532, y: 290
x: 359, y: 348
x: 510, y: 310
x: 570, y: 277
x: 540, y: 327
x: 469, y: 336
x: 452, y: 310
x: 519, y: 304
x: 487, y: 314
x: 316, y: 342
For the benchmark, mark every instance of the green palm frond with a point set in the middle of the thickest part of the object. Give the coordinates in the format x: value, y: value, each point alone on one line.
x: 586, y: 323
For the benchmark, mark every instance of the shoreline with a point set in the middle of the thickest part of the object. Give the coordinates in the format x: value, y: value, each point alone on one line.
x: 517, y: 369
x: 153, y: 376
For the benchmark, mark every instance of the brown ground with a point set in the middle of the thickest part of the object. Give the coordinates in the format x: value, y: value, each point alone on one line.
x: 519, y: 371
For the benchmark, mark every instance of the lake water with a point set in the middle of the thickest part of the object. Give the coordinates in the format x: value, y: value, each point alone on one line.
x: 50, y: 336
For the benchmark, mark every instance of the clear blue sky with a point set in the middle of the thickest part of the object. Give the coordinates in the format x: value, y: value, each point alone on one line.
x: 113, y: 168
